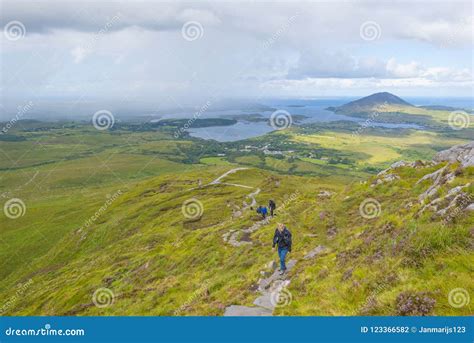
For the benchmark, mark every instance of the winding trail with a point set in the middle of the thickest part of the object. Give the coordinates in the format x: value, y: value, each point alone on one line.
x: 232, y: 237
x: 272, y: 289
x: 218, y: 180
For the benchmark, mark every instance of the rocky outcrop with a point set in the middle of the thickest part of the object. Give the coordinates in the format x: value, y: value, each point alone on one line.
x: 438, y: 177
x: 456, y: 198
x: 385, y: 178
x: 463, y: 153
x: 399, y: 164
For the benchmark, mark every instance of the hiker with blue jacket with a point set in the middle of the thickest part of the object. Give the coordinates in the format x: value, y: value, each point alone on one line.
x: 282, y: 238
x: 262, y: 210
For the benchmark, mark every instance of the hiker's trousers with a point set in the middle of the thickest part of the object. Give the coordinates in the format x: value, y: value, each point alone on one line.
x: 282, y: 254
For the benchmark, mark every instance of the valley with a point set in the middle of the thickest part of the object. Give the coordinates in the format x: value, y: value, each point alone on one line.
x: 143, y: 212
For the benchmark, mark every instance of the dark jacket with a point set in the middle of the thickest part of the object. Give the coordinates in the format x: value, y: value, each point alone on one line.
x: 283, y: 239
x: 271, y: 204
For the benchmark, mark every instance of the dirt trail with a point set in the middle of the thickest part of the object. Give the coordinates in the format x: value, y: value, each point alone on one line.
x: 232, y: 236
x: 272, y: 289
x: 218, y: 180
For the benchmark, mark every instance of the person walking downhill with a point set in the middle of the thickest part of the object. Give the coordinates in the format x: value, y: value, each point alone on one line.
x: 282, y: 238
x: 271, y: 206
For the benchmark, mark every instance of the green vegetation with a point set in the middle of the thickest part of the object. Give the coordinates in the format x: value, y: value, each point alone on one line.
x: 155, y: 259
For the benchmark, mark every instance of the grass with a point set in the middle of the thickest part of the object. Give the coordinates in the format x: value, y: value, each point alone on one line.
x: 159, y: 262
x: 380, y: 149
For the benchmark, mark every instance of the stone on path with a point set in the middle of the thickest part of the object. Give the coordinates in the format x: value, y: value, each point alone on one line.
x: 244, y: 311
x: 264, y: 284
x: 270, y: 289
x: 269, y: 298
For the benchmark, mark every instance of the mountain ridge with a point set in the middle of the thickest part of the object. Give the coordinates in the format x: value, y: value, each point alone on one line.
x: 370, y: 103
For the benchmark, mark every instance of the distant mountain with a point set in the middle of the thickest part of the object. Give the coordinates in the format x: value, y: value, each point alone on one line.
x: 370, y: 103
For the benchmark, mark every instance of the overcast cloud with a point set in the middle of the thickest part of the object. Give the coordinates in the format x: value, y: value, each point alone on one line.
x: 186, y: 52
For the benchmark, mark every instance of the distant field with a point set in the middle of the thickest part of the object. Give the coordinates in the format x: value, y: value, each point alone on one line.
x: 379, y: 149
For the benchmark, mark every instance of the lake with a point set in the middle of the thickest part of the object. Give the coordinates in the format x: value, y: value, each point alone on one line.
x: 314, y: 110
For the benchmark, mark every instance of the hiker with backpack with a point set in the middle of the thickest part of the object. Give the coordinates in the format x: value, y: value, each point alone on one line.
x: 264, y: 212
x: 271, y: 206
x: 282, y: 238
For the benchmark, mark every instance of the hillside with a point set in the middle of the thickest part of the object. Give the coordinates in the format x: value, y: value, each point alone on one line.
x: 388, y: 108
x: 371, y: 103
x: 180, y: 244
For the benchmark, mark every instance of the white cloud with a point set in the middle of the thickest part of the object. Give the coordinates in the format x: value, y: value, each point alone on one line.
x: 415, y: 69
x: 442, y: 32
x: 79, y: 53
x: 143, y: 53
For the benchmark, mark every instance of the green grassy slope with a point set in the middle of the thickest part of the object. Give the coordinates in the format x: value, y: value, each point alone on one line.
x: 156, y: 261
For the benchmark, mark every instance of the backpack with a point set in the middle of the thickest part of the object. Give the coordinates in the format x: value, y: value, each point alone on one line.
x: 286, y: 237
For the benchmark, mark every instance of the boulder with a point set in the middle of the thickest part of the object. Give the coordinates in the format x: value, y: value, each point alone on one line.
x: 385, y: 178
x: 463, y: 153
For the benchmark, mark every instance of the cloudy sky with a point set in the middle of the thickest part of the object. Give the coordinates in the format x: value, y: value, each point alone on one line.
x: 186, y: 52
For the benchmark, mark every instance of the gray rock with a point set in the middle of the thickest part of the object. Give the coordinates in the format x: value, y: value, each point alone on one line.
x: 265, y: 284
x: 399, y: 164
x: 325, y: 194
x: 463, y: 153
x: 385, y: 178
x: 269, y: 298
x: 470, y: 207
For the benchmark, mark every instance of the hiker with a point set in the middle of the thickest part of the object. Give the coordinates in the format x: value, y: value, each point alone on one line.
x: 282, y: 238
x: 271, y: 206
x: 264, y: 212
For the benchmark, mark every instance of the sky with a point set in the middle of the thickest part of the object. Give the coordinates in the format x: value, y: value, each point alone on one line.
x: 182, y: 54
